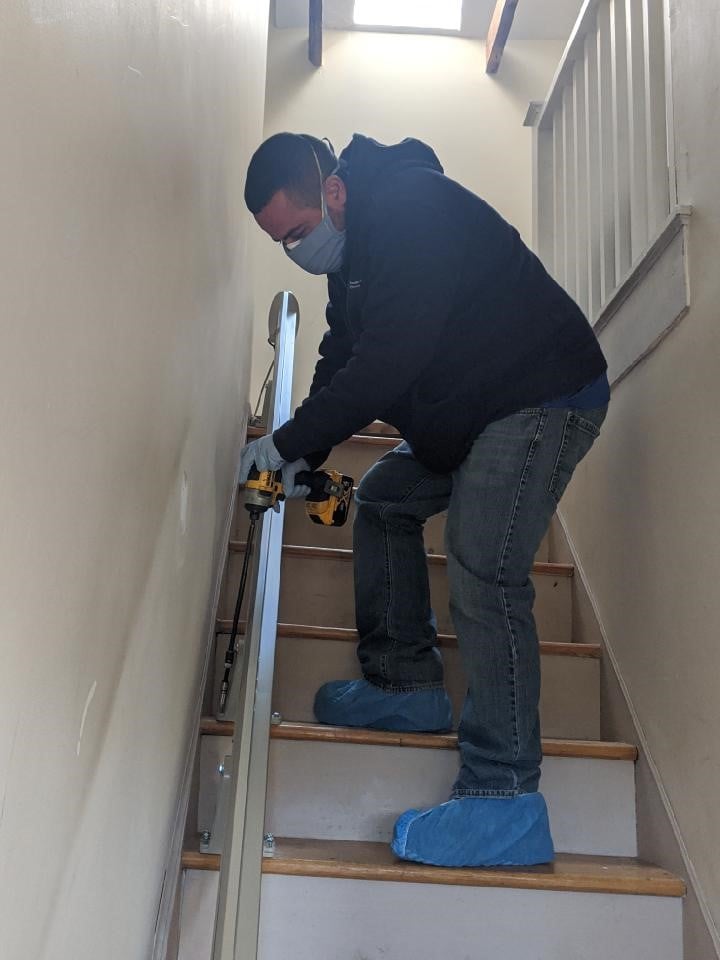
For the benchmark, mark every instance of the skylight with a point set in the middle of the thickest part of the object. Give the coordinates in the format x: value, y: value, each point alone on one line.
x: 413, y: 14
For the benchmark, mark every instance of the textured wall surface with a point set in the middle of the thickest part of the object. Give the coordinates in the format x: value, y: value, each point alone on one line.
x: 125, y: 311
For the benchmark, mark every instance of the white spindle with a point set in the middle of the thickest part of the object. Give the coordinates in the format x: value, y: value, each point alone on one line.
x: 658, y: 197
x: 568, y: 113
x: 593, y: 175
x: 636, y: 127
x: 669, y: 108
x: 621, y: 138
x: 581, y: 187
x: 607, y: 161
x: 544, y: 149
x: 559, y: 197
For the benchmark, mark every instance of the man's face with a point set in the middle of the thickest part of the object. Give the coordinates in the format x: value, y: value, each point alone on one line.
x: 284, y: 221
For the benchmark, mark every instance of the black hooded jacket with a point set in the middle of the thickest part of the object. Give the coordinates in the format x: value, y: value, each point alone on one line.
x: 440, y: 321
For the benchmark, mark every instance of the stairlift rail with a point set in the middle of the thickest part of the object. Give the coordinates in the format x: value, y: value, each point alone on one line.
x: 249, y: 701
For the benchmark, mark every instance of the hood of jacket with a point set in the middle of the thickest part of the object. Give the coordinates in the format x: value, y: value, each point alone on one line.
x: 366, y: 165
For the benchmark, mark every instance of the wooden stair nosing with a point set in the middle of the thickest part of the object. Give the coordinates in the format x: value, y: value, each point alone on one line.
x: 301, y: 631
x: 342, y: 553
x: 378, y: 428
x: 365, y: 439
x: 321, y: 733
x: 211, y: 727
x: 194, y: 860
x: 552, y: 747
x: 365, y: 860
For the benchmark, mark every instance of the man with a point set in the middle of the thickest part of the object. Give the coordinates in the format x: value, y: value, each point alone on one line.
x: 442, y: 323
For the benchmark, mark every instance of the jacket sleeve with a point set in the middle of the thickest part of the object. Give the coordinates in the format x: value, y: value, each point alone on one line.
x: 413, y: 265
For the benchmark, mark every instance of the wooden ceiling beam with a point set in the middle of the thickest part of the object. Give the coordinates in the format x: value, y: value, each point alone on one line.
x: 499, y: 31
x: 315, y: 35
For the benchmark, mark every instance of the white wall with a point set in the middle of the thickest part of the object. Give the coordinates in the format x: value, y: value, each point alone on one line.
x: 124, y: 372
x: 391, y: 86
x: 644, y: 513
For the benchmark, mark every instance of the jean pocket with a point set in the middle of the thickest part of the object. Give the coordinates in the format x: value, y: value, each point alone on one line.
x: 578, y: 436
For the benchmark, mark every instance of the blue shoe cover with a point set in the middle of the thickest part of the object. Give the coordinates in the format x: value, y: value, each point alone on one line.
x: 477, y: 832
x: 357, y: 703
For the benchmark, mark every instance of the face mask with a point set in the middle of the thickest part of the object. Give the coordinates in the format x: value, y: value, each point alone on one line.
x: 322, y: 250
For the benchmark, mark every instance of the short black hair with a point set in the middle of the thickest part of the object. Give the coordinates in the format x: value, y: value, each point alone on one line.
x: 285, y: 161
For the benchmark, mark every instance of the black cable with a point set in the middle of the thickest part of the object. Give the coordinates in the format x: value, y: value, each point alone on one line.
x: 231, y: 651
x: 260, y: 394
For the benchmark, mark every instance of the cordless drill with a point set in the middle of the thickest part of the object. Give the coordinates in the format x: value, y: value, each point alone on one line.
x: 328, y: 503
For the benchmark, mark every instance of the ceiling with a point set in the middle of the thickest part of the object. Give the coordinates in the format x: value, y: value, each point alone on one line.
x: 534, y: 19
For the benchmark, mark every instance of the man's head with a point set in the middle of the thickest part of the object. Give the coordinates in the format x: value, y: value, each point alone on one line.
x: 284, y: 182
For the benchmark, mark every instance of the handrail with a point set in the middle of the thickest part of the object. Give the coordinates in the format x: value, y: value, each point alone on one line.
x: 604, y: 155
x: 238, y: 912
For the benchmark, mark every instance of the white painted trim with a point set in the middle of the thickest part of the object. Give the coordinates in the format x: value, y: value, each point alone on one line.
x: 668, y: 285
x: 679, y: 218
x: 644, y: 745
x: 575, y: 45
x: 171, y: 873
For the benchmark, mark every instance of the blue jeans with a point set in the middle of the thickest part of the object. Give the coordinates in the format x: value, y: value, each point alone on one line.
x: 500, y: 502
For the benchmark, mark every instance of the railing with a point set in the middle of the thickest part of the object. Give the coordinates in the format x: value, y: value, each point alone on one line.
x: 604, y: 150
x: 249, y: 704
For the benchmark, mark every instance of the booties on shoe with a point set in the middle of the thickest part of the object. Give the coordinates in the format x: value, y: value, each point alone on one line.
x: 477, y: 832
x: 358, y: 703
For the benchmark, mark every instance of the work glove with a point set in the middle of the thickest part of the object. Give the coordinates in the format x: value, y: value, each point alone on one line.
x: 292, y: 490
x: 261, y: 452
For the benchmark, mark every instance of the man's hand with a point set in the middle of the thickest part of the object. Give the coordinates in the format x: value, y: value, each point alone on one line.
x: 263, y: 453
x: 292, y: 490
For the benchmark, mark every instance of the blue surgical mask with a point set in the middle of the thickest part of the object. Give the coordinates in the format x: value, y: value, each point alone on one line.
x: 322, y: 250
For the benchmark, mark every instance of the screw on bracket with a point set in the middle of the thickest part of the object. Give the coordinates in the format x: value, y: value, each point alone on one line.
x: 268, y: 845
x: 275, y: 718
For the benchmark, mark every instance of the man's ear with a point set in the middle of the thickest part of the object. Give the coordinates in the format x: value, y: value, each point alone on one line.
x: 335, y: 194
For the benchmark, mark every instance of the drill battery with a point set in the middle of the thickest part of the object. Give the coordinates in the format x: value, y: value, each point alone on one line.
x: 328, y: 502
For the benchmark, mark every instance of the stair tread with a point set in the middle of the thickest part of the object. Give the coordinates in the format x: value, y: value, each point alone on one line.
x: 366, y: 860
x: 302, y: 631
x: 341, y: 553
x: 322, y: 733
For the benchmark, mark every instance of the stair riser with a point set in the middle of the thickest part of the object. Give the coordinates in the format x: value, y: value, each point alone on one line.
x: 354, y: 458
x: 569, y: 700
x: 344, y: 791
x: 197, y: 914
x: 320, y: 591
x: 327, y: 919
x: 299, y: 529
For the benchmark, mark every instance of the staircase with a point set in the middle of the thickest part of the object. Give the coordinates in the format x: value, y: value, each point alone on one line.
x: 331, y: 889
